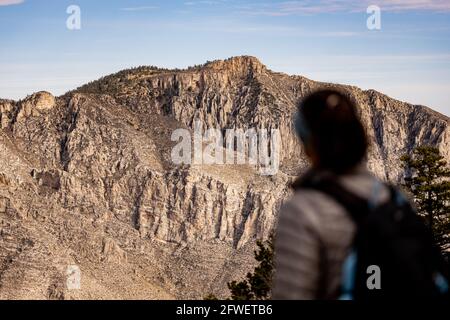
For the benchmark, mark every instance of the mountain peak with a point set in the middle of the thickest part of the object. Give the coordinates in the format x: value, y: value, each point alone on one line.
x: 237, y: 63
x: 41, y: 100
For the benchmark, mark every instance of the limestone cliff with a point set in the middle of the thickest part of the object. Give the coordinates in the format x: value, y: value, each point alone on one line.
x: 86, y: 179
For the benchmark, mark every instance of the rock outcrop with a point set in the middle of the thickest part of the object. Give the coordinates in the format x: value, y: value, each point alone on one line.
x: 87, y: 179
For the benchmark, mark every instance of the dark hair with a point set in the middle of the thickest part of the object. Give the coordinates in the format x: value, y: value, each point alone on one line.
x: 327, y: 122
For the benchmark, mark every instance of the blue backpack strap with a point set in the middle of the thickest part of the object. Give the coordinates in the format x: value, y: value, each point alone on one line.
x: 348, y: 277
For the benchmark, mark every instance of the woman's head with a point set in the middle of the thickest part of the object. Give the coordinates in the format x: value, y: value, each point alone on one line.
x: 331, y: 131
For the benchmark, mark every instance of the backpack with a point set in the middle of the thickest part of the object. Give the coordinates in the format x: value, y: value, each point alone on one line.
x: 391, y: 239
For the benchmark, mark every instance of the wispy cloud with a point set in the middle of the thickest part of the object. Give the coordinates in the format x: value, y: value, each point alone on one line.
x: 307, y: 7
x: 204, y: 2
x: 142, y: 8
x: 399, y: 5
x: 10, y: 2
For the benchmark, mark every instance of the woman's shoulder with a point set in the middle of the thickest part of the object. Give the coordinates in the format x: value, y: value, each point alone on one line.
x: 307, y: 206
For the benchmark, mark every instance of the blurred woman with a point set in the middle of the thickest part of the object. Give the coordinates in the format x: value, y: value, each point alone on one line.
x: 315, y: 233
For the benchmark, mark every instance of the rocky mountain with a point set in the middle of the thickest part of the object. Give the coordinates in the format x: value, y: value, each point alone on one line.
x: 87, y: 180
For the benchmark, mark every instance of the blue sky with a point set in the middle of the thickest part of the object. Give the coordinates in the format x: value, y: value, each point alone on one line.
x: 326, y: 40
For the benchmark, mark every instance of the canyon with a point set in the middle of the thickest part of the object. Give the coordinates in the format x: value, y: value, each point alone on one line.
x: 87, y: 178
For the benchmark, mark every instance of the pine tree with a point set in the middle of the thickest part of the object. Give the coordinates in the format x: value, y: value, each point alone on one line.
x: 426, y: 178
x: 257, y: 285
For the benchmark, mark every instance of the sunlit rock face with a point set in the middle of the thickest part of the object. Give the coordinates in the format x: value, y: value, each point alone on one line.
x: 87, y: 178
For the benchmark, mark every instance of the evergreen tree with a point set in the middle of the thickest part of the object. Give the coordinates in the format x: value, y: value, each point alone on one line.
x: 426, y: 178
x: 257, y: 285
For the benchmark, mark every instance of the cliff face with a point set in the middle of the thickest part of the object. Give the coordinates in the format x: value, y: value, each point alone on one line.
x: 86, y: 179
x: 242, y: 93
